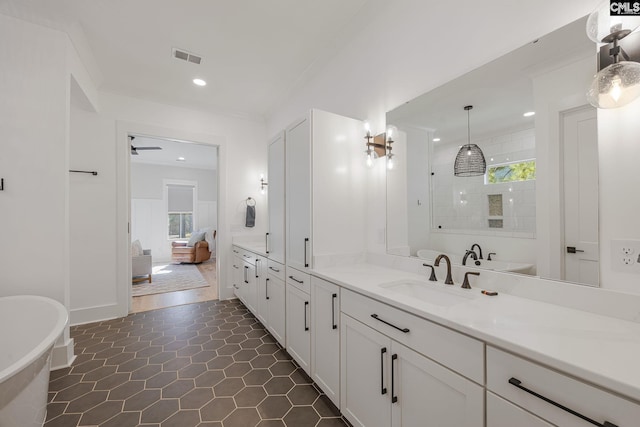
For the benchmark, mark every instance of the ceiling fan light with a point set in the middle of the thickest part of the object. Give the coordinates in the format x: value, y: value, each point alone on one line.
x: 615, y: 86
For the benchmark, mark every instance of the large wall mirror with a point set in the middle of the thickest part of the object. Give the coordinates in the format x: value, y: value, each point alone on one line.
x: 535, y: 210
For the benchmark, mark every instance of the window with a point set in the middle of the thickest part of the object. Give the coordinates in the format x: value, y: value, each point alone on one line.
x: 180, y: 210
x: 511, y: 172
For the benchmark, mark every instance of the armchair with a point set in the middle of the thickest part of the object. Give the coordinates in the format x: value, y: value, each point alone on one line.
x: 197, y: 253
x: 141, y: 266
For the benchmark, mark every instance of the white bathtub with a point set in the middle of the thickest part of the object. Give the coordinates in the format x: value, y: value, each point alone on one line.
x: 29, y: 327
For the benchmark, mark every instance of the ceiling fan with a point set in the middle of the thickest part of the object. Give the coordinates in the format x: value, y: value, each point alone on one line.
x: 134, y: 150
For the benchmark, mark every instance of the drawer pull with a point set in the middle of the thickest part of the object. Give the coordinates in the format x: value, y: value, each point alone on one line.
x: 274, y: 269
x: 296, y: 280
x: 306, y: 242
x: 517, y: 383
x: 257, y: 261
x: 383, y: 389
x: 266, y: 289
x: 306, y: 326
x: 333, y: 311
x: 394, y: 397
x: 266, y: 242
x: 404, y: 330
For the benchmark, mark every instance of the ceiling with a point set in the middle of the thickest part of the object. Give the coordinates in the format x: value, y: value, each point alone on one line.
x: 254, y: 52
x: 195, y: 155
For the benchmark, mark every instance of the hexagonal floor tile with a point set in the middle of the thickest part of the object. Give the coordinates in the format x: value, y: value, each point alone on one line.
x: 250, y: 396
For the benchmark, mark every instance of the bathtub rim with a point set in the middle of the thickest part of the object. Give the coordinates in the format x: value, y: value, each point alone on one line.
x: 46, y: 344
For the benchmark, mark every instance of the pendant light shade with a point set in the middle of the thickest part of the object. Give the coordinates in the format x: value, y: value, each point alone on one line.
x: 470, y: 160
x: 615, y: 86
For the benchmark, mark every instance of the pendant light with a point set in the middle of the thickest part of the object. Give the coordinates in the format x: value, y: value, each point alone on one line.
x: 470, y: 159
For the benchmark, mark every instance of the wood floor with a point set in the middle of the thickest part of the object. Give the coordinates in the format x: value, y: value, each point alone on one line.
x: 170, y: 299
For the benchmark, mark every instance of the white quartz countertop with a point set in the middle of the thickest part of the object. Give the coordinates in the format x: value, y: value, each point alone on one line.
x: 255, y: 247
x: 599, y: 349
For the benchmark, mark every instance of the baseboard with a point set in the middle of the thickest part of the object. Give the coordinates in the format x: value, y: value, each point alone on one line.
x: 62, y: 355
x: 80, y: 316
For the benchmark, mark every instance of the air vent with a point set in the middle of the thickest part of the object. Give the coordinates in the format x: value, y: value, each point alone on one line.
x: 186, y: 56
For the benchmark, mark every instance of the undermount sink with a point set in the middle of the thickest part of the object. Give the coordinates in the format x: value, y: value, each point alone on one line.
x: 429, y: 293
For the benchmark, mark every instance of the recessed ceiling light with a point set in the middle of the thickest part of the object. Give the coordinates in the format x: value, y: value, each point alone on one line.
x: 199, y: 82
x: 180, y: 159
x: 529, y: 113
x: 436, y: 139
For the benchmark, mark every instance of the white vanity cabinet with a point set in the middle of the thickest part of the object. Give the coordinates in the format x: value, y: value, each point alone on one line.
x: 275, y: 295
x: 298, y: 307
x: 275, y: 240
x: 386, y: 381
x: 536, y: 388
x: 325, y: 337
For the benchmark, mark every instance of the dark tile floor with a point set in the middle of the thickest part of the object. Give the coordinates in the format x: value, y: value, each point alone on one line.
x: 206, y: 364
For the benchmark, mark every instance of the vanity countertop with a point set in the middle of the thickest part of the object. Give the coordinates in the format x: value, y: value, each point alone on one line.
x: 599, y: 349
x: 255, y: 247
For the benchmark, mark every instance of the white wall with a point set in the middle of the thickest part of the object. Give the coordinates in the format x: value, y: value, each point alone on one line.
x: 148, y: 207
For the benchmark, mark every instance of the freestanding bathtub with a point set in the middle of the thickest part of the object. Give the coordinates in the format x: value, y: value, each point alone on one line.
x: 29, y: 327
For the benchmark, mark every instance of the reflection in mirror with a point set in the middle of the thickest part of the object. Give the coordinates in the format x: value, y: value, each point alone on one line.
x: 536, y: 201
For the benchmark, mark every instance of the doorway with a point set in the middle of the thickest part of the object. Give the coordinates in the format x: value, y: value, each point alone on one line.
x: 173, y: 211
x: 580, y: 190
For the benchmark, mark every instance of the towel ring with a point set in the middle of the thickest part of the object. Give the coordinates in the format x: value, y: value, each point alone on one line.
x: 250, y: 201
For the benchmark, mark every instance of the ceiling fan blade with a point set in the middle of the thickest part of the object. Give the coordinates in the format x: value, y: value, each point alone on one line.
x: 148, y: 148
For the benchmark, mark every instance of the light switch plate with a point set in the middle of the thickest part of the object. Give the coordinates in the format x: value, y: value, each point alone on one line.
x: 625, y: 256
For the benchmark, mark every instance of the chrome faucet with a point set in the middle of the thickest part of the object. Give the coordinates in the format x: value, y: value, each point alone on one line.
x: 479, y: 250
x: 471, y: 254
x: 448, y: 280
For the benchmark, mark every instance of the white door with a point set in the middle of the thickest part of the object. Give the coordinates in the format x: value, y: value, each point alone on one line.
x: 426, y: 394
x: 298, y: 200
x: 250, y: 286
x: 365, y: 390
x: 299, y: 327
x: 275, y: 294
x: 501, y: 413
x: 580, y: 161
x: 275, y: 239
x: 325, y: 337
x: 236, y: 277
x: 261, y: 291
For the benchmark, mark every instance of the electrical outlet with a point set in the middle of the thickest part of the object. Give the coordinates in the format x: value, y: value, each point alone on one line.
x: 625, y: 256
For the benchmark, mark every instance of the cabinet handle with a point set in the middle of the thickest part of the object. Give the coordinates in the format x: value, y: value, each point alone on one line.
x: 246, y: 280
x: 394, y: 398
x: 274, y: 269
x: 296, y: 280
x: 383, y: 389
x: 517, y: 383
x: 306, y: 326
x: 235, y: 252
x: 235, y: 266
x: 266, y: 289
x: 236, y: 286
x: 306, y: 242
x: 257, y: 261
x: 266, y: 242
x: 333, y: 311
x: 404, y: 330
x: 247, y: 256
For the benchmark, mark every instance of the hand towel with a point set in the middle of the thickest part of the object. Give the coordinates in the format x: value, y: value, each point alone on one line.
x: 251, y: 216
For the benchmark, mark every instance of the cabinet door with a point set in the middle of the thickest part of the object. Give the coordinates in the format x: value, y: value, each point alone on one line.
x: 261, y: 290
x: 325, y: 337
x: 298, y: 327
x: 275, y: 292
x: 236, y: 276
x: 249, y: 286
x: 275, y: 239
x: 298, y: 177
x: 501, y: 413
x: 426, y: 394
x: 365, y: 391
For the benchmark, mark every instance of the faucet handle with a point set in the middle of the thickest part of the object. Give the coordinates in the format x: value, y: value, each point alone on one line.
x: 465, y: 283
x: 433, y: 277
x: 489, y: 257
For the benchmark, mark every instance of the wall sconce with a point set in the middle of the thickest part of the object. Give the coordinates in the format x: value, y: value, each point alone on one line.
x: 263, y: 184
x: 617, y: 82
x: 470, y: 159
x: 378, y: 146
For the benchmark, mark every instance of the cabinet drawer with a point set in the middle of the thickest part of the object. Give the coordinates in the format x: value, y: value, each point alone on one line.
x: 501, y: 413
x: 299, y: 280
x: 575, y: 395
x: 276, y: 269
x: 449, y: 348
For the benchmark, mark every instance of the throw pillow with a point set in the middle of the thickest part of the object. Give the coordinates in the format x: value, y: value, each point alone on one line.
x: 196, y: 236
x: 136, y: 248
